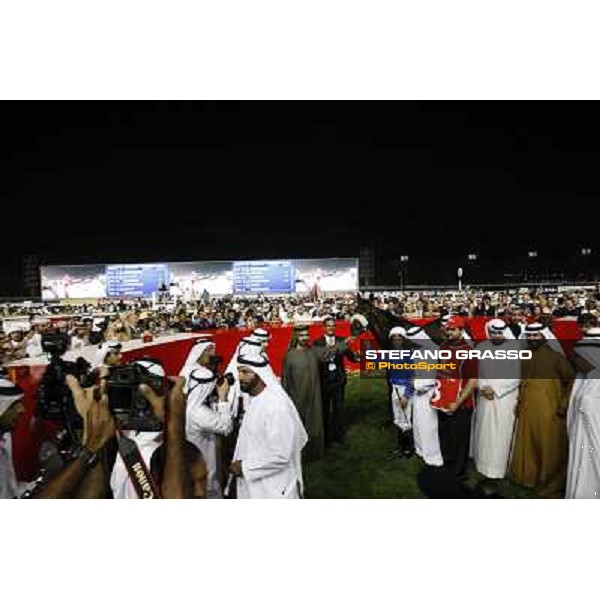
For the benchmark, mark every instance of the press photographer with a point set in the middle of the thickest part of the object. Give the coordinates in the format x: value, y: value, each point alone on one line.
x: 54, y: 399
x: 177, y: 471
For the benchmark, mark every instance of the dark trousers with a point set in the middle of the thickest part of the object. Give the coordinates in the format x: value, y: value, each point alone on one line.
x: 455, y: 438
x: 333, y: 412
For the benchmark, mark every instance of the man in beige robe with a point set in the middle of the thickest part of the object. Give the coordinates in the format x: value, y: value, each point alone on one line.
x: 539, y: 458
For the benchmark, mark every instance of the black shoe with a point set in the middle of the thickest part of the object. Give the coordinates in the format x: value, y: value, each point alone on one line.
x: 488, y: 488
x: 468, y: 483
x: 407, y: 444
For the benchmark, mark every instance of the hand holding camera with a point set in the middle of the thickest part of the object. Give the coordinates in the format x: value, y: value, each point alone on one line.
x: 93, y: 407
x: 224, y: 383
x: 172, y: 404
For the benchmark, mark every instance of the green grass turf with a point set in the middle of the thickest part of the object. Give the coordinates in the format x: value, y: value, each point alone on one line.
x: 365, y: 466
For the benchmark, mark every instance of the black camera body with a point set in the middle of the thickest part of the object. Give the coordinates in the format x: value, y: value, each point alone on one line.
x: 126, y: 402
x: 55, y: 343
x: 54, y: 401
x: 226, y: 377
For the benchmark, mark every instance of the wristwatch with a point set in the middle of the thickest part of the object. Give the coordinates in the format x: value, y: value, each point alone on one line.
x: 87, y: 457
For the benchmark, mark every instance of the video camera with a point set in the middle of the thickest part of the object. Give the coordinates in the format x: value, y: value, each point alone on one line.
x: 54, y: 401
x: 127, y: 403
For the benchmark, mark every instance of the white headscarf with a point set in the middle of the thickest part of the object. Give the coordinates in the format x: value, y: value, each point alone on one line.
x: 499, y: 326
x: 259, y: 364
x: 103, y: 350
x: 9, y: 394
x: 153, y: 366
x: 397, y: 331
x: 260, y: 335
x: 541, y: 328
x: 247, y: 346
x: 200, y: 385
x: 589, y: 349
x: 416, y: 334
x: 40, y: 321
x: 191, y: 362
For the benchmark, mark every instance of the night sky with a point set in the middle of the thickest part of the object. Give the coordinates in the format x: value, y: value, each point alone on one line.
x: 111, y: 182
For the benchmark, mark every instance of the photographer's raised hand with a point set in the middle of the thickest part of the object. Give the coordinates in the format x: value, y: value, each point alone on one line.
x: 83, y: 476
x: 223, y: 390
x: 171, y: 410
x: 83, y: 398
x: 99, y: 425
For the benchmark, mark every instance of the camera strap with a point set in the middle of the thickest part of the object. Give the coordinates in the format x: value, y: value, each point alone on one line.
x: 139, y: 474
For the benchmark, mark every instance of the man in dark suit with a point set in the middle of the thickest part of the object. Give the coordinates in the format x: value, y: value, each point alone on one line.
x: 331, y: 350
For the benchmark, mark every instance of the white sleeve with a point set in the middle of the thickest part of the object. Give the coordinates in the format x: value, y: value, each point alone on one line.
x: 277, y: 448
x: 34, y: 348
x: 208, y: 420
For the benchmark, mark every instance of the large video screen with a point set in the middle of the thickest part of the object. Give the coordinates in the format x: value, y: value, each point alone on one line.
x: 327, y: 275
x: 191, y: 280
x: 135, y: 280
x: 74, y: 281
x: 266, y: 277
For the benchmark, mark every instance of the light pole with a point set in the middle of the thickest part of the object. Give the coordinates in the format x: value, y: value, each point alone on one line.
x: 532, y: 254
x: 587, y: 251
x: 403, y: 266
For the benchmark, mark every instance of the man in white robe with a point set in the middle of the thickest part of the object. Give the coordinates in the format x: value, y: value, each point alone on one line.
x: 267, y: 459
x: 495, y: 409
x: 206, y: 420
x: 201, y: 354
x: 583, y: 424
x: 11, y: 406
x: 424, y: 417
x: 33, y: 344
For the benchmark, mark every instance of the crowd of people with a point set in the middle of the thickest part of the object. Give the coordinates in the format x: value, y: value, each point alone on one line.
x: 127, y: 320
x: 241, y: 432
x: 248, y: 434
x: 472, y: 303
x: 534, y: 421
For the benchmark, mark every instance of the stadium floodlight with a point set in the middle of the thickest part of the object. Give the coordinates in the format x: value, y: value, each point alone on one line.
x: 404, y: 258
x: 472, y: 257
x: 532, y: 254
x: 586, y: 251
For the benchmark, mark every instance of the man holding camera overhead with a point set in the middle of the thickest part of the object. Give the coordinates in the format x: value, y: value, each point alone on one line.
x: 205, y: 418
x: 177, y: 468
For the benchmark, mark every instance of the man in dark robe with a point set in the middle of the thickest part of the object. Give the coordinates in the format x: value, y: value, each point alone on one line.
x: 301, y: 381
